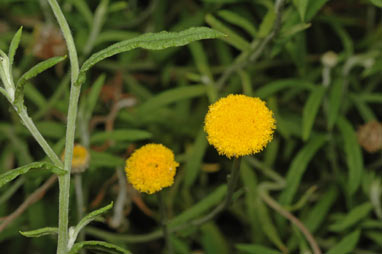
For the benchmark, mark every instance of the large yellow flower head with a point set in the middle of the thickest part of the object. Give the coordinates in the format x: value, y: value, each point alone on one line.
x: 239, y: 125
x: 151, y: 168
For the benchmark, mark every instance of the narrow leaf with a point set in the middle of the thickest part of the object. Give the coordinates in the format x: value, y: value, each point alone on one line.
x: 194, y: 160
x: 255, y: 249
x: 377, y: 3
x: 201, y: 207
x: 99, y: 246
x: 14, y: 45
x: 120, y: 135
x: 313, y: 7
x: 85, y: 221
x: 101, y: 159
x: 152, y: 41
x: 269, y: 227
x: 238, y: 20
x: 40, y: 232
x: 354, y: 216
x: 347, y: 244
x: 354, y: 159
x: 335, y: 100
x: 170, y: 96
x: 267, y: 23
x: 280, y: 85
x: 301, y: 6
x: 13, y: 173
x: 33, y: 72
x: 232, y: 38
x: 310, y: 111
x: 213, y: 240
x: 320, y: 210
x: 94, y: 94
x: 299, y: 166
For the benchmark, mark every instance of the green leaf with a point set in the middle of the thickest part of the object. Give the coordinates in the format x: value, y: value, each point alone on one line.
x: 101, y: 159
x: 73, y: 233
x: 364, y: 110
x: 335, y: 100
x: 50, y: 129
x: 268, y: 226
x: 13, y: 173
x: 267, y: 23
x: 103, y: 247
x: 313, y: 7
x: 301, y: 6
x: 291, y: 31
x: 354, y: 216
x: 255, y: 249
x: 213, y: 240
x: 194, y: 160
x: 248, y: 177
x: 280, y: 85
x: 232, y: 38
x: 238, y: 20
x: 120, y: 135
x: 354, y: 159
x: 152, y: 41
x: 40, y: 232
x: 170, y: 96
x: 298, y: 167
x: 33, y: 72
x: 201, y: 62
x: 310, y: 111
x: 377, y: 3
x: 347, y: 244
x: 14, y: 45
x: 93, y: 95
x: 201, y: 207
x: 318, y: 213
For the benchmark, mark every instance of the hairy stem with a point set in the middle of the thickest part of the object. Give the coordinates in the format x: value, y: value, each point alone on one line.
x: 64, y: 181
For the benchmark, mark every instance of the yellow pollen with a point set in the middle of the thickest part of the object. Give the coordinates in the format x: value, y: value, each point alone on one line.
x: 151, y: 168
x: 239, y: 125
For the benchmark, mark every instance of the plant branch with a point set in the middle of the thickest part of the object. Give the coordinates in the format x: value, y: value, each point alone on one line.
x: 277, y: 207
x: 64, y: 181
x: 39, y: 138
x: 256, y: 48
x: 33, y: 198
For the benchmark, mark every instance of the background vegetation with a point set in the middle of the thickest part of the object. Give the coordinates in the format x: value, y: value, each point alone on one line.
x: 316, y: 165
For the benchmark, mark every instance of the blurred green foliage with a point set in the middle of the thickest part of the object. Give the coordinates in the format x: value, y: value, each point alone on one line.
x: 162, y: 96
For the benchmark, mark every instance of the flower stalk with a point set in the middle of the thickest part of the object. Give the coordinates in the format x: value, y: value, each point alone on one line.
x: 64, y: 181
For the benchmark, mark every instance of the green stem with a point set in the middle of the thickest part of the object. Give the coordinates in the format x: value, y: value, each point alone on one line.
x: 166, y: 233
x: 39, y: 138
x: 232, y: 182
x: 64, y: 181
x: 277, y: 207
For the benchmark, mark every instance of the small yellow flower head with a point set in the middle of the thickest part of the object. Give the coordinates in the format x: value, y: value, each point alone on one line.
x: 80, y: 160
x: 151, y: 168
x: 239, y: 125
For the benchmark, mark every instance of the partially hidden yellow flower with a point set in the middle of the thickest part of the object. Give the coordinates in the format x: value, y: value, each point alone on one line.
x: 80, y: 160
x: 239, y: 125
x: 151, y: 168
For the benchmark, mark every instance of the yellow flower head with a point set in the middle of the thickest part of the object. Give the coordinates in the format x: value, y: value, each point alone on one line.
x: 239, y: 125
x: 80, y: 160
x: 151, y: 168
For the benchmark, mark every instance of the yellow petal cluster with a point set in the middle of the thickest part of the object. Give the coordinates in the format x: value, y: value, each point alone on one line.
x: 151, y: 168
x: 80, y: 158
x: 239, y: 125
